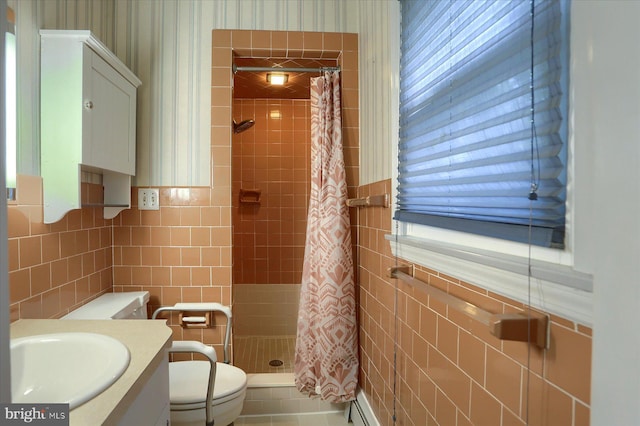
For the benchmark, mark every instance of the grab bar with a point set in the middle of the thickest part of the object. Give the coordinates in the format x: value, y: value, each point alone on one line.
x: 202, y: 307
x: 192, y: 346
x: 520, y: 326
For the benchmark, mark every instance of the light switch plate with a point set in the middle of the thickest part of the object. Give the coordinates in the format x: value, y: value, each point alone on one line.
x: 148, y: 199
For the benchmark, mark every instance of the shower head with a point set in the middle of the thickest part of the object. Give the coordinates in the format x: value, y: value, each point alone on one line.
x: 242, y: 126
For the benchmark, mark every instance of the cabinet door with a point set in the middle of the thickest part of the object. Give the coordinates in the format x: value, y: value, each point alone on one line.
x: 109, y: 117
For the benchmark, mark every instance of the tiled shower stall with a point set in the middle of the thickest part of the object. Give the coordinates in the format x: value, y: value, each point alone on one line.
x: 270, y: 195
x: 270, y: 191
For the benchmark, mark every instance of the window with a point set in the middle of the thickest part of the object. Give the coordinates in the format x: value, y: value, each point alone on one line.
x: 561, y: 279
x: 468, y: 158
x: 10, y: 104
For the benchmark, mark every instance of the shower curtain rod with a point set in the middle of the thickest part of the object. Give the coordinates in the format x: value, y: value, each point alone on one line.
x: 276, y: 69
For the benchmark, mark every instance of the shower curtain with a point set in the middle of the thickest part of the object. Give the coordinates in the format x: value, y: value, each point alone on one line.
x: 326, y: 359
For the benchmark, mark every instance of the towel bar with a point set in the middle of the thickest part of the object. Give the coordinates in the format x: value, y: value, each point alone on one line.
x: 370, y: 201
x: 520, y: 326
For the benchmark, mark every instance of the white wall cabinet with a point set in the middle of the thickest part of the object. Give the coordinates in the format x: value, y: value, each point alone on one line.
x: 109, y: 128
x: 88, y: 122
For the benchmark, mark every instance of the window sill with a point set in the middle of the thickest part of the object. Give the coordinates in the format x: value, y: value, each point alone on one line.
x: 556, y: 289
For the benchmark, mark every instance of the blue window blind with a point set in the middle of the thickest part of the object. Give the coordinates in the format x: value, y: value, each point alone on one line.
x: 468, y: 155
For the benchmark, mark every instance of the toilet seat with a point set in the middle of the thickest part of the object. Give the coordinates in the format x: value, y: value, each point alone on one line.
x: 188, y: 384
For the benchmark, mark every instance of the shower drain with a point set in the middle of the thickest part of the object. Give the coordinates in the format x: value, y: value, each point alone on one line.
x: 275, y: 363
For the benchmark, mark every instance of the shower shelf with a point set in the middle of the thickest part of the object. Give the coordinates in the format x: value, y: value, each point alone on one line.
x: 523, y: 326
x: 250, y: 196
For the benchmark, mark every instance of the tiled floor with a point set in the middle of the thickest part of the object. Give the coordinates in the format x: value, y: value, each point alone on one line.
x: 253, y: 353
x: 328, y: 419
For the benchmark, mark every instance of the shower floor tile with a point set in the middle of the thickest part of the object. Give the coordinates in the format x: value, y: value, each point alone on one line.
x: 253, y: 354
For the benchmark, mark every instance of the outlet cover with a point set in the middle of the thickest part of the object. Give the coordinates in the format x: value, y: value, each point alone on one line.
x: 148, y: 199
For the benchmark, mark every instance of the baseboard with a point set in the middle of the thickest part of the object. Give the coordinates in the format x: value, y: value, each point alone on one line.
x: 361, y: 413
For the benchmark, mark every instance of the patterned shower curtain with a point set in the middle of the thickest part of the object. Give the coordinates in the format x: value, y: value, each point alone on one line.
x: 326, y: 360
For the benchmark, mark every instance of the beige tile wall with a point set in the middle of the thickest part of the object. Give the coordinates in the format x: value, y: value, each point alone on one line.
x: 451, y: 371
x: 272, y: 157
x: 56, y: 267
x: 179, y: 253
x: 266, y: 309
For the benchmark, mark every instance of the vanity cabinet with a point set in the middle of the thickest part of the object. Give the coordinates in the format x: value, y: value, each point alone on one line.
x: 151, y: 406
x: 88, y: 122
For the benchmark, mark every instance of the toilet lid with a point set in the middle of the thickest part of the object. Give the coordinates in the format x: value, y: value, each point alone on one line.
x: 188, y: 382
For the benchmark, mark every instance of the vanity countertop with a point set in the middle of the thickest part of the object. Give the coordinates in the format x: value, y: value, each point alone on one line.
x: 146, y: 340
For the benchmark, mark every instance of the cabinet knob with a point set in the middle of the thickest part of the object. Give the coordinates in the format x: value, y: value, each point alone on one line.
x: 88, y: 105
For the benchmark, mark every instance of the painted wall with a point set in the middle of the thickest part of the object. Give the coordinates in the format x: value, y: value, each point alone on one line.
x: 167, y: 44
x: 31, y: 16
x: 379, y: 30
x: 608, y: 56
x: 164, y: 43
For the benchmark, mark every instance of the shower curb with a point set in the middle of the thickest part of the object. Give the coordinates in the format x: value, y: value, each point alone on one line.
x: 275, y: 394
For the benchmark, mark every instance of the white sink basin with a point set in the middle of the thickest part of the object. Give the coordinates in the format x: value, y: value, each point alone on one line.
x: 65, y: 367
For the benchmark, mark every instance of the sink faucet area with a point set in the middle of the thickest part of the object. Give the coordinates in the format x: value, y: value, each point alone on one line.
x: 101, y: 368
x: 71, y: 367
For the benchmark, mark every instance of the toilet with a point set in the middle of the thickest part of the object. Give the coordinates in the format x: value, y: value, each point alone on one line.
x: 187, y: 379
x: 129, y: 305
x: 188, y: 387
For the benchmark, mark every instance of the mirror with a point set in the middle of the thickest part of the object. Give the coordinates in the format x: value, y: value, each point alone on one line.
x: 11, y: 105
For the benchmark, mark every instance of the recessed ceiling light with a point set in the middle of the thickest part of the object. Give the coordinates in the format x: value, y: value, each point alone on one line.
x: 277, y: 79
x: 275, y: 114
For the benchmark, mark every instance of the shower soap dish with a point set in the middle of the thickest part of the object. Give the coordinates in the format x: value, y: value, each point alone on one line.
x: 250, y: 196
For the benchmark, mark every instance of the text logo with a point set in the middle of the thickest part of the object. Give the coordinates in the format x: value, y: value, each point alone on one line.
x: 34, y: 414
